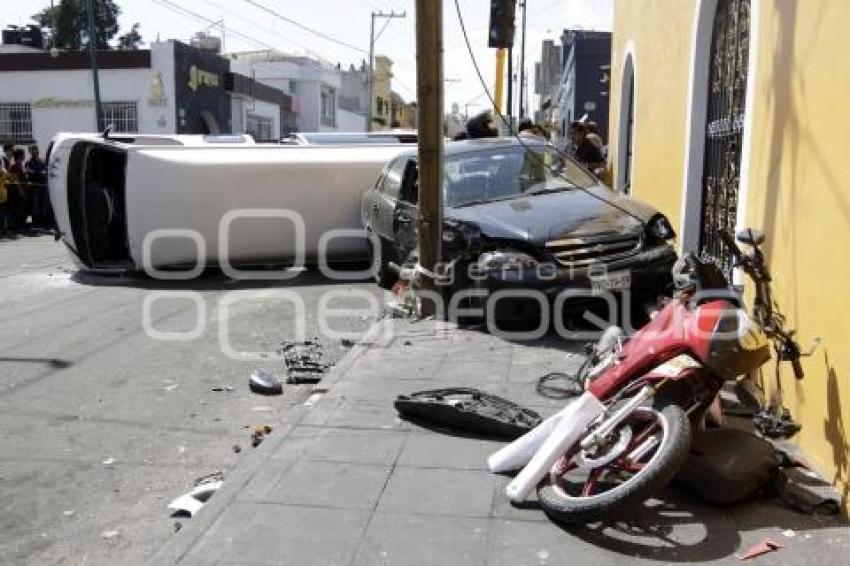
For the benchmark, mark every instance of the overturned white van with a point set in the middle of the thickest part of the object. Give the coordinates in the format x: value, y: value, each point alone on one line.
x: 134, y: 203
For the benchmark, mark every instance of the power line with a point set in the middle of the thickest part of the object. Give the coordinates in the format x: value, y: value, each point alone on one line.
x: 254, y: 24
x: 187, y: 12
x: 299, y: 25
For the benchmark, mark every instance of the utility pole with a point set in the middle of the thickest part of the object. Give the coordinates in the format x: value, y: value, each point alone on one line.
x: 522, y: 64
x: 94, y: 76
x: 510, y: 111
x: 429, y: 91
x: 372, y: 39
x: 499, y: 91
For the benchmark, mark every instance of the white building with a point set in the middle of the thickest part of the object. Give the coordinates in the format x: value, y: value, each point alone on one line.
x: 313, y: 84
x: 170, y: 88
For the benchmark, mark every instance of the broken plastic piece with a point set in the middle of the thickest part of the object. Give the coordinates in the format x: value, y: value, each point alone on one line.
x: 763, y: 547
x: 191, y: 502
x: 469, y: 410
x: 264, y: 383
x: 305, y: 361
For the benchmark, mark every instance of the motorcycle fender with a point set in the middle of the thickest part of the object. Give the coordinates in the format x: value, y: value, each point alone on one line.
x: 567, y: 431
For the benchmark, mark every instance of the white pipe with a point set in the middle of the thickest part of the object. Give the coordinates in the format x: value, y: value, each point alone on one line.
x: 568, y: 430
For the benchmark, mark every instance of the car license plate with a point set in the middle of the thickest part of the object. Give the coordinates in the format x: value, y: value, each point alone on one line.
x: 616, y: 281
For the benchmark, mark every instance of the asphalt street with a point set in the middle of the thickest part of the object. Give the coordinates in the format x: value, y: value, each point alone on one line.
x: 104, y: 422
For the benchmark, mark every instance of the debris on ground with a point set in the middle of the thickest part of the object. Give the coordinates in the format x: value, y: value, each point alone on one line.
x: 110, y: 533
x: 264, y: 383
x: 68, y: 513
x: 223, y: 388
x: 763, y: 547
x: 803, y: 490
x: 346, y: 343
x: 213, y: 477
x: 177, y: 526
x: 259, y: 433
x: 728, y: 465
x: 108, y: 462
x: 468, y: 410
x: 789, y: 533
x: 193, y: 500
x: 237, y: 449
x: 305, y: 361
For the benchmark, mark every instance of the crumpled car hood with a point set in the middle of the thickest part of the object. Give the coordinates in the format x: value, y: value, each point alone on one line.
x: 538, y: 219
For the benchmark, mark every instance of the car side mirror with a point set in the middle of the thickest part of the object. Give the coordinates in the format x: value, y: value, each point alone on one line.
x: 750, y: 236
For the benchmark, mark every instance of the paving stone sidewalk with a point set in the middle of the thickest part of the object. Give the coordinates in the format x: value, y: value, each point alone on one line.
x: 346, y: 482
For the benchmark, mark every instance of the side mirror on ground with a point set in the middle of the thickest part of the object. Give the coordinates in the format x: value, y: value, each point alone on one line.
x: 750, y: 236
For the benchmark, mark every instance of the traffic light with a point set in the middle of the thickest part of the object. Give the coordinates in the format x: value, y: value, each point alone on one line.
x: 502, y: 23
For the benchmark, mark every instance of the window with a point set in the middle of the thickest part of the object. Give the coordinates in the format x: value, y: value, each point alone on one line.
x: 122, y: 115
x: 392, y: 182
x: 259, y: 126
x: 292, y: 86
x: 328, y: 106
x: 15, y: 122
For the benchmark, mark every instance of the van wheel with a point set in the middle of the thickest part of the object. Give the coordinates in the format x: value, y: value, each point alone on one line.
x: 384, y: 275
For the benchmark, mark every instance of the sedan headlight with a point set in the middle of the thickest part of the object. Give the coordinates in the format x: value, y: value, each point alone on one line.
x: 660, y: 227
x: 506, y: 260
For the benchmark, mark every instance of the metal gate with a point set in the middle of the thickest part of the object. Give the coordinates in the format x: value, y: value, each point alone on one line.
x: 724, y: 128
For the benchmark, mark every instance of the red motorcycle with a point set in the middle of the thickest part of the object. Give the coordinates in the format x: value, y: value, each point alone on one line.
x: 629, y: 433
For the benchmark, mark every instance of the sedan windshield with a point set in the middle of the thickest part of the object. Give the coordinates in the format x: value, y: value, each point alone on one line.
x: 507, y: 172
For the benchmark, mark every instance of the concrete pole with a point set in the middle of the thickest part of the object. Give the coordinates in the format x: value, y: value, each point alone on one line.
x: 429, y: 91
x: 522, y: 85
x: 94, y: 74
x: 371, y: 72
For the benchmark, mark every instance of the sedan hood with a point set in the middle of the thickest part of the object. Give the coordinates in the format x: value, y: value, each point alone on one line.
x: 540, y: 218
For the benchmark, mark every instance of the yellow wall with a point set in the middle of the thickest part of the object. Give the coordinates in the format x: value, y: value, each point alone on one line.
x: 799, y: 187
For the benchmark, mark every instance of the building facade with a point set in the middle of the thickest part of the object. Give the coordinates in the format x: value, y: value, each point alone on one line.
x: 547, y: 76
x: 583, y: 88
x: 314, y: 86
x: 172, y: 88
x: 731, y: 114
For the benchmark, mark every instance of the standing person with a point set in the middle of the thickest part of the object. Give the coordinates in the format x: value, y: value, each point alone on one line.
x: 5, y: 179
x: 36, y: 171
x: 584, y: 150
x: 7, y: 159
x: 20, y: 202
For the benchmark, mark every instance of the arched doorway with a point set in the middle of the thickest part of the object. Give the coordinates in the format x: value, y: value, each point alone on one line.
x: 717, y: 143
x: 724, y: 128
x: 625, y: 141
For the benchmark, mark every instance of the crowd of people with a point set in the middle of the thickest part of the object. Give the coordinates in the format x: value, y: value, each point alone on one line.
x: 583, y: 141
x: 24, y: 201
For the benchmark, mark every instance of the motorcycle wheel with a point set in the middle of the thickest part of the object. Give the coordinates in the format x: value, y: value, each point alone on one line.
x: 643, y: 455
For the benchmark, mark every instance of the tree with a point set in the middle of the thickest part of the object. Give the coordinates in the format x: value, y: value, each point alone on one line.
x: 130, y: 40
x: 68, y: 23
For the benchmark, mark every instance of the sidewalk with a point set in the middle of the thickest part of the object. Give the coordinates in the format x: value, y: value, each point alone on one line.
x: 346, y: 482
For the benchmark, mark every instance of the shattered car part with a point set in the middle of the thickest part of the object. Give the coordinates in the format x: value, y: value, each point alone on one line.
x: 192, y: 501
x: 763, y: 547
x: 305, y: 361
x: 468, y: 410
x: 264, y: 383
x: 775, y: 426
x: 806, y: 492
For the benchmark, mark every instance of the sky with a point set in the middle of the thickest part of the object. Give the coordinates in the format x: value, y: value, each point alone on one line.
x: 249, y: 27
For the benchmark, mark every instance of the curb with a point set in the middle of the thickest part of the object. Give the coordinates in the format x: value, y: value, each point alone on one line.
x: 174, y: 550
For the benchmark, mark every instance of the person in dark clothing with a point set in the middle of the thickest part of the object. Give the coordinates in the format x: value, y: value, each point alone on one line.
x: 584, y: 150
x: 36, y: 171
x: 482, y: 126
x: 18, y: 194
